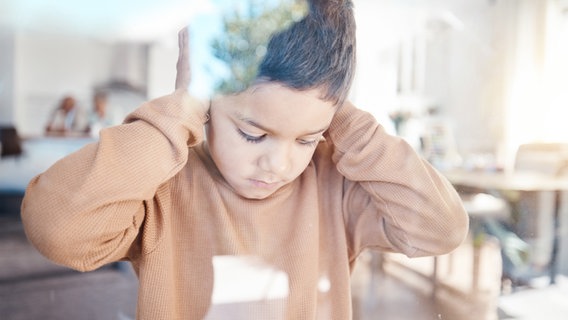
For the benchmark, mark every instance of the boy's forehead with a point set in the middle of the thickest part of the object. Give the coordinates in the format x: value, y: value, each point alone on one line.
x: 278, y: 108
x: 267, y: 121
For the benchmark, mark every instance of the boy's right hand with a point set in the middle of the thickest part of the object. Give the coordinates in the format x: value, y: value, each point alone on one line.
x: 183, y: 69
x: 183, y: 76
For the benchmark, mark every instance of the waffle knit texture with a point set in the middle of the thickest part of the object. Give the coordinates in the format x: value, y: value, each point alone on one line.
x: 147, y: 192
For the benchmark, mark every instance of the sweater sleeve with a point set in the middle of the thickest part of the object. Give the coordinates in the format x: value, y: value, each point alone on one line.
x: 393, y: 199
x: 87, y: 209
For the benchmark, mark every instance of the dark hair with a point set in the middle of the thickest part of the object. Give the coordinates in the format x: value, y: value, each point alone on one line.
x: 315, y: 52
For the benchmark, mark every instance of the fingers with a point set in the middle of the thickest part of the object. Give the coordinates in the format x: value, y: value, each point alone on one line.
x: 183, y: 76
x: 183, y: 39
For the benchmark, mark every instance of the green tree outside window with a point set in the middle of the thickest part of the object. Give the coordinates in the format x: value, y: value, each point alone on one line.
x: 245, y: 35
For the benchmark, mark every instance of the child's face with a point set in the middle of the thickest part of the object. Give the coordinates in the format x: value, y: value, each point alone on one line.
x: 264, y: 138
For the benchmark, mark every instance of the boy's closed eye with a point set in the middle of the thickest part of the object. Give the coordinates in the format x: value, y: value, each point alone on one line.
x: 256, y: 138
x: 310, y: 141
x: 252, y: 138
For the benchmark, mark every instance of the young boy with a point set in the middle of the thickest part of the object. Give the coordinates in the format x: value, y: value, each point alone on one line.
x: 290, y: 175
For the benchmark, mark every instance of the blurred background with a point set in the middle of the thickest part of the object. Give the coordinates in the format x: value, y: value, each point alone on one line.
x: 495, y: 67
x: 468, y: 83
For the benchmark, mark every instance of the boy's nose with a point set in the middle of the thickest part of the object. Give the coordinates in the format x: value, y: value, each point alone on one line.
x: 277, y: 159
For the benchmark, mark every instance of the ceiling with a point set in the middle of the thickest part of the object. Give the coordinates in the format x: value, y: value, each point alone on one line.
x: 141, y: 20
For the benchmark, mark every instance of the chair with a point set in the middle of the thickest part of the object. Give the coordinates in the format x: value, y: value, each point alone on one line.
x: 489, y: 217
x: 533, y: 212
x: 10, y: 142
x: 545, y: 158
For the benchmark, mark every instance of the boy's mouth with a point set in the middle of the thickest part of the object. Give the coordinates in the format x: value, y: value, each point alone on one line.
x: 264, y: 184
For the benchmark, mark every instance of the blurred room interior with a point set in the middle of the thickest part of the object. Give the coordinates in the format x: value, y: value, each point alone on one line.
x: 479, y: 87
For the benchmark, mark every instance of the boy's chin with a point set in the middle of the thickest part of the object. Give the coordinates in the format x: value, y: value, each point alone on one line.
x: 253, y: 193
x: 257, y: 195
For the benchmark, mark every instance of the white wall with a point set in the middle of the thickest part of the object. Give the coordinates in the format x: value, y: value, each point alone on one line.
x: 374, y: 87
x: 7, y: 73
x: 464, y: 66
x: 38, y: 70
x: 468, y: 51
x: 162, y: 58
x: 50, y: 67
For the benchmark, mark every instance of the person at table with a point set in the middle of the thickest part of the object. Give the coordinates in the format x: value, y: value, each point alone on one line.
x: 101, y: 115
x: 290, y: 173
x: 66, y: 118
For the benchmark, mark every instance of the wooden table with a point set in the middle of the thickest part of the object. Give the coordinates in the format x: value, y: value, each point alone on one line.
x: 518, y: 181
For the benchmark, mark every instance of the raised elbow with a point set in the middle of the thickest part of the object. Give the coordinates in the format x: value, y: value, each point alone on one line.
x: 49, y: 234
x: 455, y: 231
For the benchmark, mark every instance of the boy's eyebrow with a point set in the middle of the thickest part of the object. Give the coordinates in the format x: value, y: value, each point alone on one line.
x: 263, y: 128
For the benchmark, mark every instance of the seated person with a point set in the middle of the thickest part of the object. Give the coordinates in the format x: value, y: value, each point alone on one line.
x: 101, y: 116
x: 65, y: 119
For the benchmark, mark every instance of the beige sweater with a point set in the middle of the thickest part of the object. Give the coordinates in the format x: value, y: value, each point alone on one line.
x: 148, y: 193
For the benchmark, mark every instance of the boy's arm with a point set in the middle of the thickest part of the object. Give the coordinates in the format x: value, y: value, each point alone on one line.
x: 393, y: 199
x: 87, y: 209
